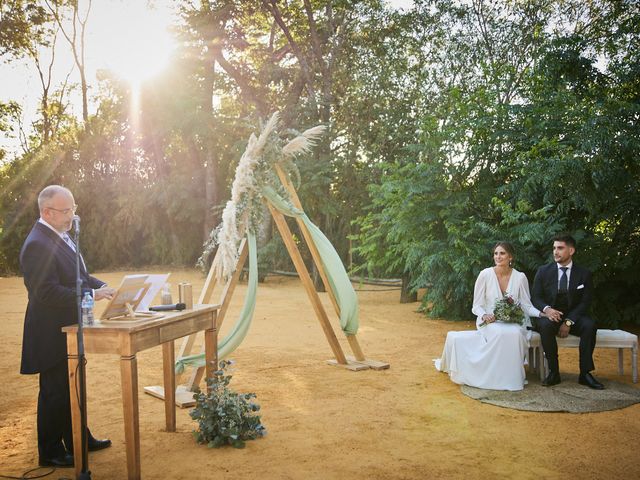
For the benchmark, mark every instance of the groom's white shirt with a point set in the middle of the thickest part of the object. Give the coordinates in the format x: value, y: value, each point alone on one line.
x: 569, y: 267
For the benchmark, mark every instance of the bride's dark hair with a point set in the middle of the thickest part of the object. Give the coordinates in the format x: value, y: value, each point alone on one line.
x: 509, y: 248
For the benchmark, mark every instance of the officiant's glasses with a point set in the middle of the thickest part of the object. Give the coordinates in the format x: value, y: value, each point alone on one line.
x: 65, y: 211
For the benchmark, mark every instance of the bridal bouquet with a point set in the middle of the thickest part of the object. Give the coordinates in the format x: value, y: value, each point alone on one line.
x: 507, y: 310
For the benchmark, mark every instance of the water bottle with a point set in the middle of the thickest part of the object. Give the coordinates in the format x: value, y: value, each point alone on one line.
x: 165, y: 298
x: 87, y: 309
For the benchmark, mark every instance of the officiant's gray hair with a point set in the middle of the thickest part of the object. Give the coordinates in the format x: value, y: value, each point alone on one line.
x: 49, y: 192
x: 508, y: 247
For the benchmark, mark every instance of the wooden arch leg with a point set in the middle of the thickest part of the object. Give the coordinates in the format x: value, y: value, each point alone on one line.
x: 292, y: 248
x: 184, y: 392
x: 358, y: 354
x: 225, y: 300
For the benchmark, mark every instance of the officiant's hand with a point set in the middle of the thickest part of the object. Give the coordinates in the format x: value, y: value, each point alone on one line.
x: 104, y: 292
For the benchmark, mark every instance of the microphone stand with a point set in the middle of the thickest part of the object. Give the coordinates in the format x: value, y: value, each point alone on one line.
x: 85, y: 474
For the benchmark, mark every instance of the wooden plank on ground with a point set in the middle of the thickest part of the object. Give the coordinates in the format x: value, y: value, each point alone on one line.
x: 373, y: 364
x: 184, y: 397
x: 350, y: 365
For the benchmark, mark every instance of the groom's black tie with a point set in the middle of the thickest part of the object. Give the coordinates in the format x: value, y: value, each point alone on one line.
x: 563, y: 286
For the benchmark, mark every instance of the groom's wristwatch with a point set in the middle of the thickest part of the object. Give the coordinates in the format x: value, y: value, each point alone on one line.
x: 569, y: 323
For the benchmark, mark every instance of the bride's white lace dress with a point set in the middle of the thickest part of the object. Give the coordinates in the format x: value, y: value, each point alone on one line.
x: 494, y: 355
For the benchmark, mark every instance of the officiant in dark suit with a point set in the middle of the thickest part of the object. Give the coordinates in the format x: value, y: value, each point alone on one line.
x: 563, y: 291
x: 48, y: 263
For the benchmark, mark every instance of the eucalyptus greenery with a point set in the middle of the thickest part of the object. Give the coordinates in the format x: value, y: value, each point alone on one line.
x: 255, y: 171
x: 452, y: 124
x: 508, y: 310
x: 225, y: 417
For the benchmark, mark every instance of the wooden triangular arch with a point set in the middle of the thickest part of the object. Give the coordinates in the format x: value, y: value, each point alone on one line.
x: 356, y: 362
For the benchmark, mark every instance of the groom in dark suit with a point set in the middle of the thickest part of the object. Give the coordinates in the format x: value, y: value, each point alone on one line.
x: 563, y: 291
x: 48, y: 263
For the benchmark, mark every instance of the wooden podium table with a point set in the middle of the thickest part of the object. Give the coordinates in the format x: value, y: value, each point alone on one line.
x: 127, y: 338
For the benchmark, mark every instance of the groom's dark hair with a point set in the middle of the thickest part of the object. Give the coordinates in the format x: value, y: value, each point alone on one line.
x: 566, y: 238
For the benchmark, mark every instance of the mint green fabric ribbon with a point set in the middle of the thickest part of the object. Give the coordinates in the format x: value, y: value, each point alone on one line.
x: 336, y: 274
x: 241, y: 327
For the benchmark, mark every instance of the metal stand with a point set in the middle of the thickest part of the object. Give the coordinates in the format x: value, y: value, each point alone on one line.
x: 85, y: 474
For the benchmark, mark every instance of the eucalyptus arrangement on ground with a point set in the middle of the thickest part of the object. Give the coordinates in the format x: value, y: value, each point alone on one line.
x: 225, y: 417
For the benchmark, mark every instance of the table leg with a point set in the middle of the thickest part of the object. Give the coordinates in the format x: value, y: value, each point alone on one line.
x: 211, y: 349
x: 129, y: 377
x: 76, y: 420
x: 168, y: 368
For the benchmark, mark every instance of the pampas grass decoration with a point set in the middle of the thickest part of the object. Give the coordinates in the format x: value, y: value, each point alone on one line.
x: 266, y: 131
x: 245, y: 192
x: 224, y: 263
x: 303, y: 142
x: 314, y: 133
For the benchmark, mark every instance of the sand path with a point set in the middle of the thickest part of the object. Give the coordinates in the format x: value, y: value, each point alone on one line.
x: 408, y: 422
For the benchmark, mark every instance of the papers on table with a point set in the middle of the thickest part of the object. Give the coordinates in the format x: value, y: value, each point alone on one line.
x: 135, y: 294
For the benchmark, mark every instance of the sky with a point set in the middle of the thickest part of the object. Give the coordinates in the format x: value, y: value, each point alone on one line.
x: 140, y: 48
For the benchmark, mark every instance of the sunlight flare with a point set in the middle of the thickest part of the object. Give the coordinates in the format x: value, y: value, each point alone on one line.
x: 140, y: 47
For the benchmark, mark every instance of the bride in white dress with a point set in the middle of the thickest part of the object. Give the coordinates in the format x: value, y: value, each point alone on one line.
x: 494, y: 355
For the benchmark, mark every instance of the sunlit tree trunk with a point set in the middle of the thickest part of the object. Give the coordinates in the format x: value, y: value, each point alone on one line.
x: 212, y: 199
x: 50, y: 118
x: 75, y: 36
x: 211, y: 193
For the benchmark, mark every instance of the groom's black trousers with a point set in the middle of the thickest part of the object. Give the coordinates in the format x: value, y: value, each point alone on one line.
x: 584, y: 327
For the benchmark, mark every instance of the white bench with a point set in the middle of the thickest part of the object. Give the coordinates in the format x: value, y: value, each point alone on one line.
x: 606, y: 339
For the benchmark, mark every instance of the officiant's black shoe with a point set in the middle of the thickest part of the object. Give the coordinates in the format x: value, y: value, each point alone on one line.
x: 95, y: 445
x: 590, y: 381
x: 552, y: 379
x: 61, y: 461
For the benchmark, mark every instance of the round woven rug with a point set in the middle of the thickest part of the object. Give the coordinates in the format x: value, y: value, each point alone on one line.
x: 568, y: 396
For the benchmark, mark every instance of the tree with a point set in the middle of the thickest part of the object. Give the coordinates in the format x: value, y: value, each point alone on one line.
x: 74, y: 34
x: 297, y: 59
x: 501, y: 147
x: 22, y: 24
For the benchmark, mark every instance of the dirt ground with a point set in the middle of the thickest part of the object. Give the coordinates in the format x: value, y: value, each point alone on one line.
x: 325, y: 422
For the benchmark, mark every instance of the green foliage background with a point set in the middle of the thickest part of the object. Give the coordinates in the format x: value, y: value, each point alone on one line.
x: 452, y: 125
